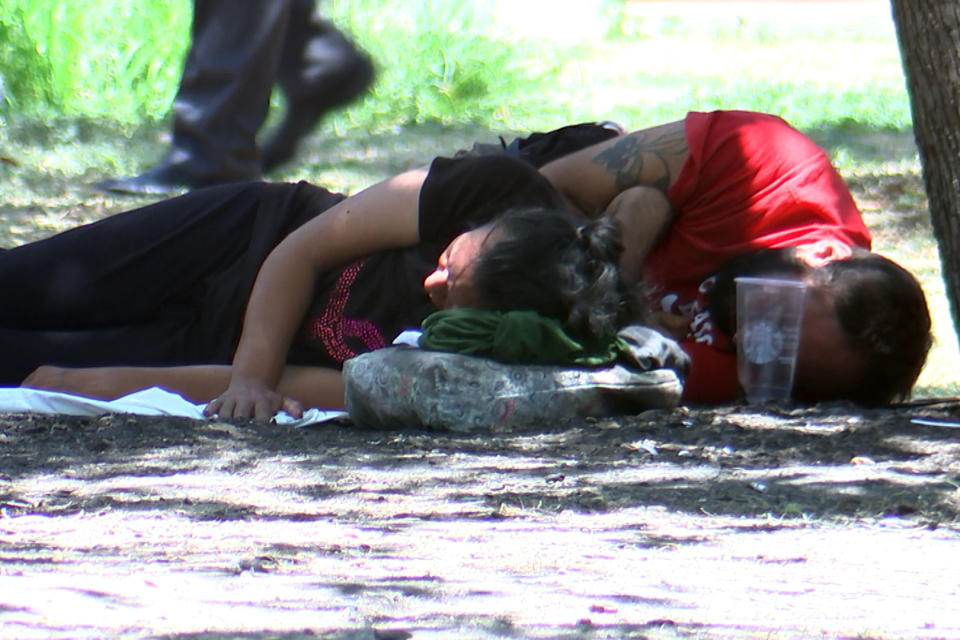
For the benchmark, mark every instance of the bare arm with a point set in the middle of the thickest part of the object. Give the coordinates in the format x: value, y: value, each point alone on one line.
x: 300, y: 386
x: 382, y: 217
x: 594, y: 176
x: 197, y: 383
x: 644, y: 214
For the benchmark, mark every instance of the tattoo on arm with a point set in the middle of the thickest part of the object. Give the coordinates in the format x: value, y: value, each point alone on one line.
x: 639, y: 153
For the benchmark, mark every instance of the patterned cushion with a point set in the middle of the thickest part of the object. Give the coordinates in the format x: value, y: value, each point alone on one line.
x: 409, y: 387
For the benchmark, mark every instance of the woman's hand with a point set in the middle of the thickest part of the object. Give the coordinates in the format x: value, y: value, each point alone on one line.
x: 248, y: 398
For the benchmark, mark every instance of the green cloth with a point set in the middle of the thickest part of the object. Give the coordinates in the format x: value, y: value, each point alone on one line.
x: 513, y: 336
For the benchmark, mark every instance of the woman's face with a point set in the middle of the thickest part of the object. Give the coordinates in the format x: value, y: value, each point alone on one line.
x: 450, y: 285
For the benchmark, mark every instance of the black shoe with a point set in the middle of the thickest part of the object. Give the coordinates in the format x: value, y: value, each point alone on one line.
x: 335, y: 90
x: 163, y: 179
x: 159, y: 180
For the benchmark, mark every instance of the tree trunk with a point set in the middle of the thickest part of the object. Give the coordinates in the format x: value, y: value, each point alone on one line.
x: 929, y: 35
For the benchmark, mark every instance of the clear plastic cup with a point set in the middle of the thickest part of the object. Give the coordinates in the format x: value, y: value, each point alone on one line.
x: 769, y: 320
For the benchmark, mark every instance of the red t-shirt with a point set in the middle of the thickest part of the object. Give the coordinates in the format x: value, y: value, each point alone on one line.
x: 751, y: 182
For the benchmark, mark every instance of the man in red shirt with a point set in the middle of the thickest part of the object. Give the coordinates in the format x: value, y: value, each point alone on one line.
x: 731, y: 193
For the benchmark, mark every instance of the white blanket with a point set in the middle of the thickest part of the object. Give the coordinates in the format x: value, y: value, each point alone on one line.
x: 151, y: 402
x: 148, y: 402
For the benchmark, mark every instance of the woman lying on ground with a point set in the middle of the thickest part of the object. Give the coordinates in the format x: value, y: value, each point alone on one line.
x: 158, y: 295
x: 691, y: 196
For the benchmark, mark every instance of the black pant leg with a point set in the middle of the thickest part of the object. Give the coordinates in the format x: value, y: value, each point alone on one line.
x: 225, y: 89
x: 133, y: 266
x: 161, y: 285
x: 317, y: 58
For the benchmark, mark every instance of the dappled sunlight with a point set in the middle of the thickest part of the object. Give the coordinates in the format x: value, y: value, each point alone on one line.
x: 699, y: 522
x: 662, y: 522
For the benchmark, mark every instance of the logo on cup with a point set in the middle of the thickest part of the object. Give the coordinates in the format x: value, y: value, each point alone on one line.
x: 762, y: 342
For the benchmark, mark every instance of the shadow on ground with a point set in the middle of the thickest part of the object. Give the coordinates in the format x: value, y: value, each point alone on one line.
x: 824, y: 462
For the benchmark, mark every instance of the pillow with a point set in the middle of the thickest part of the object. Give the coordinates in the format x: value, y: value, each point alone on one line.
x: 405, y: 386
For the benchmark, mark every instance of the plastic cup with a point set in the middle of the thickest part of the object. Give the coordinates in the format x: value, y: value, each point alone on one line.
x: 769, y: 320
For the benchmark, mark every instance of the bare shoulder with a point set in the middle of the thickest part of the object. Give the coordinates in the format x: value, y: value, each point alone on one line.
x: 650, y: 157
x: 594, y: 176
x: 382, y: 217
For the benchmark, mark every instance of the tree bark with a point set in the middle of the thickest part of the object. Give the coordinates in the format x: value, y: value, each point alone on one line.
x: 929, y: 36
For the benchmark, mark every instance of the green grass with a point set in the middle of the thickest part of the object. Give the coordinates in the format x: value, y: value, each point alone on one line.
x: 88, y: 85
x: 119, y: 61
x: 508, y: 65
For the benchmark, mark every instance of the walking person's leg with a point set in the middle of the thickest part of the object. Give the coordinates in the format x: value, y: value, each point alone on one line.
x: 223, y: 98
x: 320, y: 69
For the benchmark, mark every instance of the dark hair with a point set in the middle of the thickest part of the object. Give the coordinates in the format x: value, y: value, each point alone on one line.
x: 768, y: 263
x: 559, y: 265
x: 879, y: 305
x: 883, y: 311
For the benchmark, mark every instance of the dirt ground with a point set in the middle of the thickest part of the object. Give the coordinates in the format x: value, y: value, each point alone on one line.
x: 826, y: 522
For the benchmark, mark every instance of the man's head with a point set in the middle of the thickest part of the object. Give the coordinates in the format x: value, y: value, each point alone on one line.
x: 866, y: 329
x: 883, y: 313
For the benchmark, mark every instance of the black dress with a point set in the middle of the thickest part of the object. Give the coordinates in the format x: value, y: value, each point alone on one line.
x: 168, y: 284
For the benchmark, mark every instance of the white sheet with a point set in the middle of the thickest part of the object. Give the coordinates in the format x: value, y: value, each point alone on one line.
x: 148, y: 402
